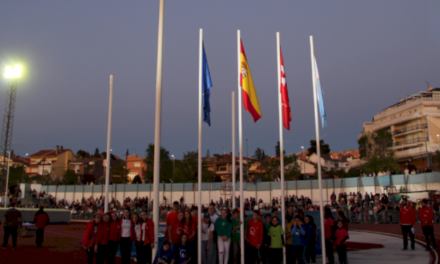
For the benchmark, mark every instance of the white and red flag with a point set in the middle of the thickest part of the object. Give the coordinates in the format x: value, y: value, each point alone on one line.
x: 287, y: 114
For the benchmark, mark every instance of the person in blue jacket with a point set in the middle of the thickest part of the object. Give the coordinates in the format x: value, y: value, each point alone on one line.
x: 298, y: 236
x: 310, y: 239
x: 165, y: 255
x: 184, y: 251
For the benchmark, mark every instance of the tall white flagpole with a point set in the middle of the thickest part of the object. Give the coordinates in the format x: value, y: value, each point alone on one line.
x: 280, y: 105
x: 240, y: 144
x: 109, y: 131
x: 157, y: 128
x: 233, y: 151
x: 318, y: 151
x: 199, y: 174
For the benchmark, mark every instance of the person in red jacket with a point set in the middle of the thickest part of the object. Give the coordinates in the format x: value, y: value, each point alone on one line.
x: 101, y: 240
x: 89, y: 238
x: 147, y: 239
x: 254, y: 237
x: 41, y: 220
x: 113, y: 237
x: 171, y: 218
x: 407, y: 218
x: 426, y: 217
x: 329, y: 223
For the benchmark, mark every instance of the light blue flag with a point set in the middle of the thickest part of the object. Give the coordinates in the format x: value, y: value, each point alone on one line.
x: 320, y: 99
x: 206, y: 85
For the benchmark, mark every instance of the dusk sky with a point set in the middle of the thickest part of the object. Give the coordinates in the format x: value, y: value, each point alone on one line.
x: 369, y: 54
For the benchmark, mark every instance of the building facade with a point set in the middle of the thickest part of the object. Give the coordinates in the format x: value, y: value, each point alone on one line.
x: 414, y: 124
x: 50, y: 162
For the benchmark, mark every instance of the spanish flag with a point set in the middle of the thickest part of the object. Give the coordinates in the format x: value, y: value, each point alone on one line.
x: 250, y: 98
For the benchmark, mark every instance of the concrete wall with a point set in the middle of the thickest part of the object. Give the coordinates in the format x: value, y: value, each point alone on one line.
x: 264, y: 190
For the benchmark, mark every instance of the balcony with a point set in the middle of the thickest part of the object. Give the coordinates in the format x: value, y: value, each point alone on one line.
x: 409, y: 129
x: 411, y: 141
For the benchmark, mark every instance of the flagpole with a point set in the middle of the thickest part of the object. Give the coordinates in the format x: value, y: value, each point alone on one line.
x: 233, y: 150
x: 283, y: 206
x: 240, y: 144
x: 157, y: 127
x: 109, y: 130
x: 199, y: 174
x: 318, y: 151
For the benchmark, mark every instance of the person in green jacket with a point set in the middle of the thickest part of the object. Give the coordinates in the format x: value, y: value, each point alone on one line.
x: 276, y: 233
x: 223, y: 228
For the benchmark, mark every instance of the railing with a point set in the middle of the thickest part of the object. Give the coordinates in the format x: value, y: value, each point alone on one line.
x: 410, y: 128
x: 411, y: 141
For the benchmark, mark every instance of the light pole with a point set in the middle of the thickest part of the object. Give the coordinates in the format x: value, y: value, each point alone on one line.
x: 7, y: 177
x: 304, y: 160
x: 12, y: 73
x: 438, y: 139
x: 172, y: 156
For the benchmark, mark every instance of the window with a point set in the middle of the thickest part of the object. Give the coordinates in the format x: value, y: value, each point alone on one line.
x: 222, y: 168
x: 137, y: 164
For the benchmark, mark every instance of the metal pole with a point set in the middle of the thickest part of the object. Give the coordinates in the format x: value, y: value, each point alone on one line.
x: 109, y: 128
x: 7, y: 177
x: 199, y: 173
x: 233, y: 151
x: 318, y: 150
x: 247, y: 159
x: 240, y: 147
x: 157, y: 130
x: 280, y: 111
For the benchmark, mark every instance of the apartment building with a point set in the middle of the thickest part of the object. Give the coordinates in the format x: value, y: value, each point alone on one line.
x: 414, y: 123
x: 136, y: 166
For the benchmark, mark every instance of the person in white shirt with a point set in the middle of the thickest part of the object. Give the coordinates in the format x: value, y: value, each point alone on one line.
x: 208, y: 253
x: 126, y: 236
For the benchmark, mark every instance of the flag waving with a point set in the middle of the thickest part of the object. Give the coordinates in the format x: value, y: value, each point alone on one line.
x: 320, y: 99
x: 287, y: 114
x: 206, y: 84
x: 250, y: 99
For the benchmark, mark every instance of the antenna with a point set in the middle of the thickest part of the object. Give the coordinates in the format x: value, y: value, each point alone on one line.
x: 207, y: 154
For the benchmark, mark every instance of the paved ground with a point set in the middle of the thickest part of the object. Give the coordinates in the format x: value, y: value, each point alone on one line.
x: 390, y: 253
x: 62, y: 245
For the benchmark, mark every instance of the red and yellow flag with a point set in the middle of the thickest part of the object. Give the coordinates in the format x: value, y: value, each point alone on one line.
x: 250, y: 98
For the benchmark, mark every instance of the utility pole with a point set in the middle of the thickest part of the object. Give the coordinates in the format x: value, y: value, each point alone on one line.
x: 12, y: 73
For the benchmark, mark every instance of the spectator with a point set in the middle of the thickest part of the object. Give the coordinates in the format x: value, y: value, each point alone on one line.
x: 329, y: 233
x: 236, y: 223
x: 265, y: 250
x: 41, y: 220
x: 127, y: 236
x: 113, y: 237
x: 184, y: 251
x: 254, y: 238
x: 101, y: 240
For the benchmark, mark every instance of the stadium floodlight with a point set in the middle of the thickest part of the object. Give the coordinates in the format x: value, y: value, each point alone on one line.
x: 13, y: 72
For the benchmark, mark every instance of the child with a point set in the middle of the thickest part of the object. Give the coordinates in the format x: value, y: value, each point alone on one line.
x: 341, y: 236
x: 297, y: 231
x: 223, y: 228
x: 276, y: 233
x: 265, y: 250
x: 184, y: 251
x: 207, y: 234
x: 236, y: 223
x: 165, y: 255
x: 310, y: 241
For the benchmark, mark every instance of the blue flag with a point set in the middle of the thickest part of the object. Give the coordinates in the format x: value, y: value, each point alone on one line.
x: 320, y: 99
x: 206, y: 84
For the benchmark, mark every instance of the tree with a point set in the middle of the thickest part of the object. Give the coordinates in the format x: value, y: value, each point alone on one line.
x: 70, y: 177
x: 187, y: 169
x: 119, y: 169
x: 437, y: 152
x: 292, y: 168
x: 164, y: 161
x: 97, y: 155
x: 258, y: 154
x: 375, y: 149
x: 15, y: 176
x: 104, y: 155
x: 83, y: 153
x: 278, y: 151
x: 136, y: 179
x: 325, y: 148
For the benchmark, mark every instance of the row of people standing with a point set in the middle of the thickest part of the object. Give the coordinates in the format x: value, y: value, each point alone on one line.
x: 106, y: 232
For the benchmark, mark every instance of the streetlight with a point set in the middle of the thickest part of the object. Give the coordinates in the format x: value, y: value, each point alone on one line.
x: 172, y: 156
x: 12, y: 73
x: 7, y: 177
